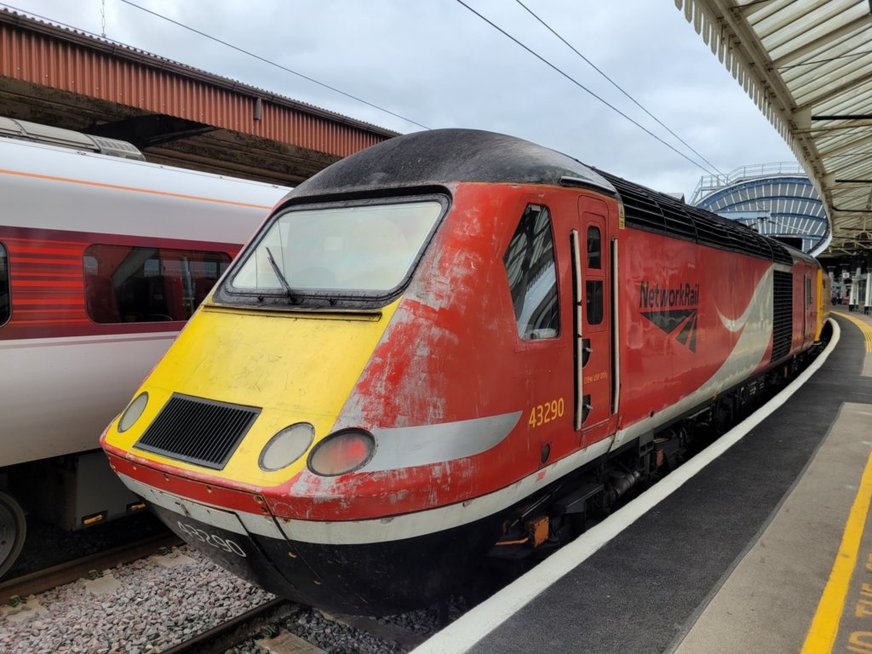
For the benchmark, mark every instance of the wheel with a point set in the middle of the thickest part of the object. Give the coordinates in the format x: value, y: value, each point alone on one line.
x: 13, y: 529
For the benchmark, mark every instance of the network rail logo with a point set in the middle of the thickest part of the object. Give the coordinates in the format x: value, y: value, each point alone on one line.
x: 671, y: 307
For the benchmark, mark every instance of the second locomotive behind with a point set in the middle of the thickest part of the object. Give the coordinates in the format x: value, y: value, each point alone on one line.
x: 438, y: 341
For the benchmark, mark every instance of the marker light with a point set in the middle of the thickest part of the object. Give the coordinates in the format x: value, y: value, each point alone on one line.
x: 342, y: 452
x: 286, y: 446
x: 132, y: 412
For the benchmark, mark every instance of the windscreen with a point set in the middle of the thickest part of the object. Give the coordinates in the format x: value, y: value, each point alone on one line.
x: 349, y: 249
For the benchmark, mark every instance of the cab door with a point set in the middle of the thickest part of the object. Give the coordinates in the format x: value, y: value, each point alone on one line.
x: 591, y: 263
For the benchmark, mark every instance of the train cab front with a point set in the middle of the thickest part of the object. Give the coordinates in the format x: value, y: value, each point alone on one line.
x: 251, y: 438
x: 343, y: 419
x: 233, y: 527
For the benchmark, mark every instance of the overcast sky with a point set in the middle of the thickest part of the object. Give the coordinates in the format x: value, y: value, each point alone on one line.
x: 437, y: 63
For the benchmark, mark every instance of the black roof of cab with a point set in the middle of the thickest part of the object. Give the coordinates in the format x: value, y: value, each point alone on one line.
x: 443, y: 156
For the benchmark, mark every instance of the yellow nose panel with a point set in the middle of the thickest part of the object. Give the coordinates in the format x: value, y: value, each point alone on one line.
x: 295, y: 366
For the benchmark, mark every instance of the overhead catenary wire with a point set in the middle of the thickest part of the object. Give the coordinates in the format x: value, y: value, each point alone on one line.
x: 583, y: 87
x: 273, y: 63
x: 615, y: 84
x: 373, y: 105
x: 229, y: 45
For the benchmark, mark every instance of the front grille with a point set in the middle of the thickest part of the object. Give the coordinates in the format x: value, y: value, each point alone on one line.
x: 782, y: 310
x: 197, y: 431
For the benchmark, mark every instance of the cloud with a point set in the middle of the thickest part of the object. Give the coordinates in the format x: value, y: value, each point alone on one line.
x: 440, y: 65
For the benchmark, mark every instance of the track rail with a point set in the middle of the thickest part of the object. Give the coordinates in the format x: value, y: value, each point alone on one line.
x: 236, y: 630
x: 265, y: 620
x: 64, y: 573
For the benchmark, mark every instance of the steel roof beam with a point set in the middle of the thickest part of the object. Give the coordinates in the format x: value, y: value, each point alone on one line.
x: 821, y: 42
x: 806, y: 64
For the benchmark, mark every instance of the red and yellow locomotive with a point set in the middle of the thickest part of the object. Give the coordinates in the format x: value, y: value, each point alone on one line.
x: 438, y: 340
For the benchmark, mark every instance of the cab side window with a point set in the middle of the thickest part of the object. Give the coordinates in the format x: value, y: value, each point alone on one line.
x: 594, y: 247
x: 532, y: 273
x: 145, y: 284
x: 594, y: 287
x: 5, y: 302
x: 594, y: 301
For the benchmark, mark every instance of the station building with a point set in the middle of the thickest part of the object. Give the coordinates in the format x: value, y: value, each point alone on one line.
x: 780, y: 201
x: 776, y: 199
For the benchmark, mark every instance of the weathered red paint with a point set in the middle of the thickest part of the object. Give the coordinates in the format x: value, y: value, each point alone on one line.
x: 452, y: 352
x: 234, y: 499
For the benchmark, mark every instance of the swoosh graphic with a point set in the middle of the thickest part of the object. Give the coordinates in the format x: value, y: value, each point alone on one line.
x: 745, y: 357
x: 739, y: 323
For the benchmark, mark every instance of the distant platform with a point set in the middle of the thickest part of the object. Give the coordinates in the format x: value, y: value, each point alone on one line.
x: 761, y: 543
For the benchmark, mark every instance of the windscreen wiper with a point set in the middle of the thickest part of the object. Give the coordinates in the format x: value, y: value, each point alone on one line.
x: 293, y: 298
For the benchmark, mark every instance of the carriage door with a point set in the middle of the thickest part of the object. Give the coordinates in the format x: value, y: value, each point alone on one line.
x: 592, y: 318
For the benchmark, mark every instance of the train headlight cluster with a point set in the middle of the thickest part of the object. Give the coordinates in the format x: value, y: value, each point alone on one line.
x: 132, y: 412
x: 286, y: 446
x: 342, y: 452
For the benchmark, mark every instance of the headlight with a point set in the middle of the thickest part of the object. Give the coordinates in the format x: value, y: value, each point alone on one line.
x: 132, y: 412
x: 286, y: 446
x: 342, y: 452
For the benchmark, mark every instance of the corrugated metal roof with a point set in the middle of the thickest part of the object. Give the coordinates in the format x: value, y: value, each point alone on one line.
x: 39, y: 52
x: 807, y: 64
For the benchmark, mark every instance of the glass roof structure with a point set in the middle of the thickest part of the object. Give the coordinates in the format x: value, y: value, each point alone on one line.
x: 807, y: 64
x: 774, y: 199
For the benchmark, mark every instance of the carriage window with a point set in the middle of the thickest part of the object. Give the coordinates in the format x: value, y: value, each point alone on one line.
x: 5, y: 304
x: 137, y: 284
x: 594, y: 306
x: 529, y: 262
x: 593, y: 247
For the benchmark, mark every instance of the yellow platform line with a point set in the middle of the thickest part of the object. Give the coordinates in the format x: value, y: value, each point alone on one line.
x: 864, y: 326
x: 822, y: 634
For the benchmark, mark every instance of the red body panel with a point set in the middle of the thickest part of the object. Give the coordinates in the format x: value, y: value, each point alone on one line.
x: 439, y: 363
x: 505, y: 385
x: 233, y: 499
x: 657, y: 369
x: 452, y: 351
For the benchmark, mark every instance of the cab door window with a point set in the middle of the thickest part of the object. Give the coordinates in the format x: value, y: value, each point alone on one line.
x: 532, y: 274
x: 594, y: 247
x: 594, y: 287
x: 594, y: 301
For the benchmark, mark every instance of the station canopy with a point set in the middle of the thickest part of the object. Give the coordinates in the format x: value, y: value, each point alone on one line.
x: 807, y: 64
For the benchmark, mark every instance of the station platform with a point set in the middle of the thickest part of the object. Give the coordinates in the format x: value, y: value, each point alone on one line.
x: 758, y: 544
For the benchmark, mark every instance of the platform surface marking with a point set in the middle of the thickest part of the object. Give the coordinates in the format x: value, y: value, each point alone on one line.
x: 831, y: 611
x: 797, y: 573
x: 855, y: 626
x: 865, y: 326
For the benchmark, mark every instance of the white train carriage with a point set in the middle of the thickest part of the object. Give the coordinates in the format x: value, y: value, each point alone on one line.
x: 102, y: 259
